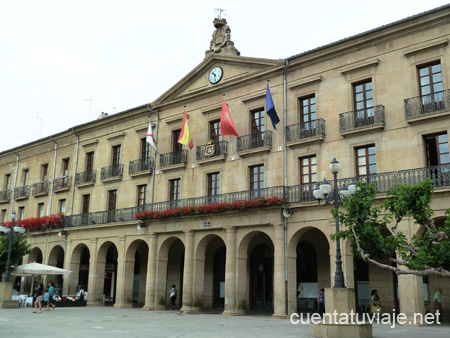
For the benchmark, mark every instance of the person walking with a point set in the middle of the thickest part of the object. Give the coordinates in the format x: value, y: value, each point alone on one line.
x: 173, y: 295
x: 321, y: 302
x: 51, y: 291
x: 45, y: 300
x: 375, y: 303
x: 39, y: 296
x: 438, y: 301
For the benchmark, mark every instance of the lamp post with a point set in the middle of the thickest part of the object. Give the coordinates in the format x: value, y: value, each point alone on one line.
x: 323, y: 193
x: 11, y: 232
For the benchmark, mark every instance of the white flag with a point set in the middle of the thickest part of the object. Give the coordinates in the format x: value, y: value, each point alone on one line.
x: 150, y: 138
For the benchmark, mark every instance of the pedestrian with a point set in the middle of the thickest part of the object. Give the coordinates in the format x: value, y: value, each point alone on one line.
x: 39, y: 296
x: 51, y: 291
x: 173, y: 295
x: 321, y: 302
x: 438, y: 301
x: 375, y: 303
x: 45, y: 301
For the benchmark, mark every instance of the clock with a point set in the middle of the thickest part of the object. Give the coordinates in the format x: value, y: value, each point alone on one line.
x: 215, y: 75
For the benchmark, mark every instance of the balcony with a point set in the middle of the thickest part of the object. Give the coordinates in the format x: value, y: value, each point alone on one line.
x: 40, y: 188
x: 85, y: 178
x: 61, y: 184
x: 424, y: 107
x: 297, y: 194
x: 254, y: 143
x: 5, y: 196
x: 142, y: 166
x: 21, y: 193
x: 174, y: 160
x: 362, y: 121
x: 303, y: 133
x: 213, y: 151
x: 112, y: 173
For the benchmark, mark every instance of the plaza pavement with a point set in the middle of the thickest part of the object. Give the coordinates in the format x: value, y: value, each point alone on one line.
x: 85, y: 322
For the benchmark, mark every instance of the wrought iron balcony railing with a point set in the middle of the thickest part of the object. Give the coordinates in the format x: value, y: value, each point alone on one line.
x: 22, y: 192
x: 361, y: 118
x: 440, y: 176
x: 141, y: 165
x: 113, y: 171
x: 212, y: 150
x: 86, y: 177
x: 40, y: 188
x: 426, y: 104
x: 5, y: 195
x: 61, y: 183
x: 174, y: 158
x: 254, y: 141
x: 300, y: 131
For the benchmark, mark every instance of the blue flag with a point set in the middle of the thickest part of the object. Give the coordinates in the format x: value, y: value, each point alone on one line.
x: 271, y: 108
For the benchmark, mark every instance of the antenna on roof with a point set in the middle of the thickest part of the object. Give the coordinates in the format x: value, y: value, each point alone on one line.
x: 90, y: 103
x: 219, y: 12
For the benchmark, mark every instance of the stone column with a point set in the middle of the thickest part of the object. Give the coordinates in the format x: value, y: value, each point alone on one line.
x: 188, y: 274
x: 279, y: 284
x: 125, y: 277
x: 410, y: 291
x: 230, y: 273
x: 347, y: 264
x: 96, y: 276
x: 150, y: 292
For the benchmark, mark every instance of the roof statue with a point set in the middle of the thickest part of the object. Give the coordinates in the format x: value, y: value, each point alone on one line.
x: 221, y: 42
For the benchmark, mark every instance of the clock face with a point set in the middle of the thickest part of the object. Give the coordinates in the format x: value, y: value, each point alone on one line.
x: 215, y: 74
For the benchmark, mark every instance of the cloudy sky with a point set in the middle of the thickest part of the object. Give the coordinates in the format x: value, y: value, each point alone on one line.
x: 64, y: 62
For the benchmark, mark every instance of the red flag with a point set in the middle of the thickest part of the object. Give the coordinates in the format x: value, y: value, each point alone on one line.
x: 226, y: 123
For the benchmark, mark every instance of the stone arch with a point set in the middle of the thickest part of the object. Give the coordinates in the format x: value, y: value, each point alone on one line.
x: 255, y: 289
x: 56, y: 258
x: 79, y: 265
x: 34, y: 256
x: 308, y: 267
x: 209, y: 267
x: 105, y: 273
x: 169, y: 270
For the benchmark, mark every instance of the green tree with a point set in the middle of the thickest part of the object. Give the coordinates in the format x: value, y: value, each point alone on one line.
x: 19, y: 248
x: 372, y: 229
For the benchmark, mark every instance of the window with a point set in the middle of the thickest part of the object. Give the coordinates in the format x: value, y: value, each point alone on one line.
x: 431, y: 87
x: 257, y: 177
x: 363, y: 98
x: 213, y: 184
x: 25, y: 176
x: 142, y: 195
x: 145, y: 149
x: 112, y: 198
x: 85, y: 204
x: 438, y: 157
x: 176, y: 147
x: 90, y: 161
x: 21, y: 213
x: 65, y: 171
x: 3, y: 216
x: 214, y: 131
x: 44, y: 171
x: 61, y: 206
x: 366, y: 162
x: 7, y: 182
x: 257, y: 120
x: 308, y: 170
x: 116, y: 155
x: 308, y: 114
x: 174, y: 189
x: 40, y: 210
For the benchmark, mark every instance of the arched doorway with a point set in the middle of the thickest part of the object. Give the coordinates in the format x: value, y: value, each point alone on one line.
x: 170, y: 267
x: 79, y: 265
x: 56, y: 258
x: 105, y: 277
x: 34, y: 256
x: 260, y: 267
x: 135, y: 278
x: 209, y: 294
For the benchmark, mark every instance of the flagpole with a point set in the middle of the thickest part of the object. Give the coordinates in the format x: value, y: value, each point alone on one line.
x: 190, y: 150
x: 229, y: 141
x: 155, y: 152
x: 270, y: 106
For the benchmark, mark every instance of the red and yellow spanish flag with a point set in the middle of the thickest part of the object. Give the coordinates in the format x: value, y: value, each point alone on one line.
x: 185, y: 135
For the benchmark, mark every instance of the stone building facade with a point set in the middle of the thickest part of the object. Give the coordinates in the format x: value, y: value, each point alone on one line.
x: 378, y: 102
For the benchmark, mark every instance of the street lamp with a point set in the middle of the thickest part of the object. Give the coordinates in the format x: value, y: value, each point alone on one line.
x: 11, y: 232
x: 323, y: 193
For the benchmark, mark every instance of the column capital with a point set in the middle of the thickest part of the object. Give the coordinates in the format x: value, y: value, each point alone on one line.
x: 278, y: 225
x: 94, y: 240
x: 189, y: 232
x: 122, y: 238
x: 153, y: 235
x: 230, y: 229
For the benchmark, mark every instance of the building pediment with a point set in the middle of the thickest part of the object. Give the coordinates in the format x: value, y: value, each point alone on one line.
x: 235, y: 70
